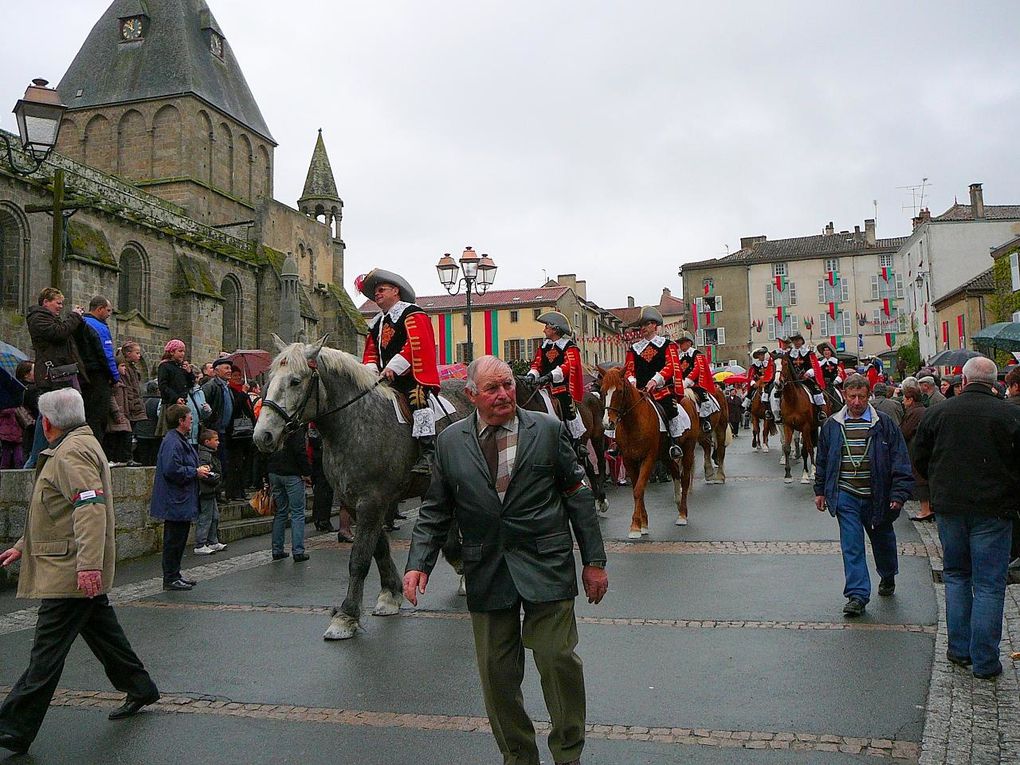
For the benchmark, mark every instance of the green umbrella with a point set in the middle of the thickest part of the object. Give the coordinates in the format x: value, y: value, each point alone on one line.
x: 1005, y: 336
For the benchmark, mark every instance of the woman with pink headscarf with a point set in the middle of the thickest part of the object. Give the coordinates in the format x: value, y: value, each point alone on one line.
x: 174, y: 381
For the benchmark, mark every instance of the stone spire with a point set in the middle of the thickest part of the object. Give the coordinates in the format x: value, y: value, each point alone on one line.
x: 321, y: 200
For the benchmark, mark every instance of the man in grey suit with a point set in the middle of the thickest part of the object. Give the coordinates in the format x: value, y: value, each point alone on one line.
x: 512, y: 481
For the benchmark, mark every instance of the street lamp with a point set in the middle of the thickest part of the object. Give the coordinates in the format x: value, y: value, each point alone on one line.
x: 478, y: 275
x: 38, y: 114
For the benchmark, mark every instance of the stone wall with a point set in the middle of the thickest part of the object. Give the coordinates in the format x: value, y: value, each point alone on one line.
x: 311, y: 242
x: 137, y: 534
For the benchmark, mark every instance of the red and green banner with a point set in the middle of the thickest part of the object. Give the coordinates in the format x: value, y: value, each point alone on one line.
x: 887, y: 306
x: 492, y: 333
x: 708, y: 320
x: 445, y: 338
x: 708, y: 288
x: 886, y: 272
x: 945, y: 333
x: 960, y: 330
x: 780, y: 283
x: 694, y: 316
x: 834, y: 342
x: 832, y: 277
x: 890, y: 339
x: 808, y: 322
x: 833, y: 310
x: 780, y: 313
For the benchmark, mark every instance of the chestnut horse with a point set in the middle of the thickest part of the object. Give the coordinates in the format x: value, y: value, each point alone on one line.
x: 798, y: 415
x: 759, y: 408
x: 632, y: 414
x: 714, y: 443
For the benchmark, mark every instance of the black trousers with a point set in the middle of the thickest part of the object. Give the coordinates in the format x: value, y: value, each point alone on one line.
x: 322, y: 492
x: 237, y: 470
x: 97, y: 395
x: 117, y: 445
x: 175, y: 539
x: 60, y: 621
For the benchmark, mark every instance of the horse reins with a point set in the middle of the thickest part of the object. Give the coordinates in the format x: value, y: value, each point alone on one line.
x: 294, y: 421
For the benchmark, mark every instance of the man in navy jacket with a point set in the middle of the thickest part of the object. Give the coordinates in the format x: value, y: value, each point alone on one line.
x: 863, y: 476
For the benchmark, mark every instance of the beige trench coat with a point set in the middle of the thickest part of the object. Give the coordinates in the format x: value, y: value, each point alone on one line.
x: 70, y: 525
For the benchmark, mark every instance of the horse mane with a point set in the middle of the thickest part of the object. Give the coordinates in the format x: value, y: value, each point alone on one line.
x: 332, y: 360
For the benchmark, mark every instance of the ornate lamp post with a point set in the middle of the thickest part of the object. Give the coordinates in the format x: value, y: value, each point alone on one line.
x: 478, y: 275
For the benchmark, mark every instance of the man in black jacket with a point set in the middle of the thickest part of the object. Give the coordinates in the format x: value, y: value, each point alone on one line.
x: 288, y: 470
x: 511, y: 479
x: 968, y: 448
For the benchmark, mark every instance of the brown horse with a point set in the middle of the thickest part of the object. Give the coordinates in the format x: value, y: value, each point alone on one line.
x: 632, y: 414
x: 714, y: 443
x: 798, y: 415
x: 759, y: 409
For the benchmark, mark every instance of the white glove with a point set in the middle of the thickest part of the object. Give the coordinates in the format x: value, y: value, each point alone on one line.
x: 532, y: 373
x: 839, y: 378
x: 688, y: 382
x: 810, y: 374
x: 632, y: 380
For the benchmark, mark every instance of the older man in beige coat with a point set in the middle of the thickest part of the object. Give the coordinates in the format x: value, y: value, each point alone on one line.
x: 68, y: 556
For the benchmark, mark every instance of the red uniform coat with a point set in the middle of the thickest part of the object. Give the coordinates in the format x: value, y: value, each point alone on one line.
x: 697, y: 370
x: 410, y: 336
x: 653, y: 359
x: 801, y: 364
x: 874, y: 378
x: 766, y: 373
x: 568, y: 361
x: 839, y: 375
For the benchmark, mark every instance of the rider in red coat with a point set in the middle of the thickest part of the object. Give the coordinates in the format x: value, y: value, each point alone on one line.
x: 401, y: 347
x: 557, y: 363
x: 763, y: 371
x: 807, y: 369
x: 695, y: 372
x: 833, y: 371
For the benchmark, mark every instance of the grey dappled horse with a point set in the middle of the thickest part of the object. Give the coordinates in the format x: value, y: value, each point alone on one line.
x: 367, y: 455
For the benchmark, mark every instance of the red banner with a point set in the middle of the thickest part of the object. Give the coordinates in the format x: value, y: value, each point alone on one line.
x: 960, y: 331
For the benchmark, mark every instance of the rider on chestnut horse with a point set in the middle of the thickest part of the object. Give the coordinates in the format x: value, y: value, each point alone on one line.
x: 695, y: 373
x: 401, y: 348
x: 652, y: 366
x: 557, y: 363
x: 833, y: 371
x: 763, y: 368
x: 806, y: 368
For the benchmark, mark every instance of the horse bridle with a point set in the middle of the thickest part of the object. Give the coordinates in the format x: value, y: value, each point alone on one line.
x: 620, y: 415
x: 292, y: 422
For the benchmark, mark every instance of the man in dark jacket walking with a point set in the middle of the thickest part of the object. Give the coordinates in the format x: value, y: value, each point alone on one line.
x: 969, y: 450
x: 863, y: 476
x: 288, y: 469
x: 95, y: 344
x: 512, y: 481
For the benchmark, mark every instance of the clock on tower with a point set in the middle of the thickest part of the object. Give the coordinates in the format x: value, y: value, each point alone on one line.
x: 131, y: 29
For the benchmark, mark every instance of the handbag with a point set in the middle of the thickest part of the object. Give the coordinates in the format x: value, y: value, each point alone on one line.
x: 263, y: 502
x: 24, y: 417
x: 65, y: 374
x: 243, y: 427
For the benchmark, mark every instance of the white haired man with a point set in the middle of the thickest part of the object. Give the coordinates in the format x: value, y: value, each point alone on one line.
x: 67, y: 555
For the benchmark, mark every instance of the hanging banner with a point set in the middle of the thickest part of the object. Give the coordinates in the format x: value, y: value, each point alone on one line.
x: 832, y: 277
x: 886, y: 272
x: 886, y: 306
x: 445, y: 338
x: 833, y: 310
x: 492, y: 333
x: 780, y: 314
x: 780, y: 283
x: 890, y: 339
x: 960, y: 331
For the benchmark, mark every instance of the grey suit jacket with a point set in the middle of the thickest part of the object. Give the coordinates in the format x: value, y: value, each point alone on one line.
x: 520, y: 548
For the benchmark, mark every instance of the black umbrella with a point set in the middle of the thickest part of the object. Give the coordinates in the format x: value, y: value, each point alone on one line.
x: 12, y: 392
x: 956, y: 358
x: 1004, y: 336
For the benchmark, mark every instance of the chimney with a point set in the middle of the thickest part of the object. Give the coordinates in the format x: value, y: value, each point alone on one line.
x: 748, y: 242
x: 857, y: 232
x: 630, y: 301
x: 581, y: 289
x: 977, y: 201
x: 666, y: 292
x: 922, y: 217
x: 869, y: 232
x: 829, y: 229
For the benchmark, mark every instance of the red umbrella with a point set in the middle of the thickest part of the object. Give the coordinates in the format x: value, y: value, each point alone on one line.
x: 456, y: 371
x: 251, y: 363
x: 736, y: 380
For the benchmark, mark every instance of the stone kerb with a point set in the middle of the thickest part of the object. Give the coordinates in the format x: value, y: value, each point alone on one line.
x: 137, y: 534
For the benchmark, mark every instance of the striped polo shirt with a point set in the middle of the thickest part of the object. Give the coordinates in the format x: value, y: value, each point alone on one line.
x: 855, y: 467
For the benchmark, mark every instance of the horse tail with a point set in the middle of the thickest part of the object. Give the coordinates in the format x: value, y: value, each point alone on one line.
x: 729, y: 436
x: 771, y: 424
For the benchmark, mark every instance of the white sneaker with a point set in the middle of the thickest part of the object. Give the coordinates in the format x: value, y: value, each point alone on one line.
x: 218, y: 546
x: 204, y: 550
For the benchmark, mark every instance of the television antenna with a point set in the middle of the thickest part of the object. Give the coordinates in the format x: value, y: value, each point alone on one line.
x: 916, y: 197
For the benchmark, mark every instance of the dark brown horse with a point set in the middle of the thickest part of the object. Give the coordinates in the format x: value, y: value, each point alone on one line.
x: 714, y: 443
x: 589, y: 409
x: 631, y: 413
x: 798, y: 415
x: 759, y: 408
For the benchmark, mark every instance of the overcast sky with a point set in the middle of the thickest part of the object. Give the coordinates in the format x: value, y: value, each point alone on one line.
x: 614, y: 140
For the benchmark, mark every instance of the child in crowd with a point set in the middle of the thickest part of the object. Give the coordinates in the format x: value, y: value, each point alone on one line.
x: 207, y: 526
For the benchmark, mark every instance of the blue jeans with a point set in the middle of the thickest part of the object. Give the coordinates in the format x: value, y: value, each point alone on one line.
x: 849, y: 512
x: 207, y: 526
x: 975, y: 553
x: 38, y: 444
x: 289, y: 493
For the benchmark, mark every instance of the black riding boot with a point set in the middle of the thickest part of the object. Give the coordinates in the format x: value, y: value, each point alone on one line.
x: 428, y: 450
x: 580, y: 450
x: 819, y: 414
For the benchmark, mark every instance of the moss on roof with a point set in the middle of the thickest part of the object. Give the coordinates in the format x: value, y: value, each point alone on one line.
x: 89, y: 244
x: 348, y: 307
x: 195, y: 278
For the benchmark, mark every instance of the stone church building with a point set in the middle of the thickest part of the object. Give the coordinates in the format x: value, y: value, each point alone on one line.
x: 168, y: 163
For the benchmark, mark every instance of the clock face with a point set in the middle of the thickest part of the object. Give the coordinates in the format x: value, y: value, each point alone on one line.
x: 131, y: 29
x: 216, y: 44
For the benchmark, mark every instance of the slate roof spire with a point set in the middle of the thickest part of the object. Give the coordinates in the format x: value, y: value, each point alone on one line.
x: 180, y: 51
x: 319, y: 183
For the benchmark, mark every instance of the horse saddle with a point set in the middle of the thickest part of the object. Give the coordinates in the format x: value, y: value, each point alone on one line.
x: 441, y: 408
x: 660, y: 413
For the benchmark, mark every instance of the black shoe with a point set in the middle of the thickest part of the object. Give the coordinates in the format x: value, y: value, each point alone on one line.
x: 131, y: 707
x: 300, y: 557
x: 280, y: 555
x: 960, y: 661
x: 327, y: 527
x: 988, y: 675
x: 854, y: 607
x: 887, y: 586
x: 582, y: 452
x: 428, y: 449
x: 16, y: 745
x: 400, y: 516
x: 613, y: 451
x: 177, y: 584
x: 191, y: 582
x: 390, y: 526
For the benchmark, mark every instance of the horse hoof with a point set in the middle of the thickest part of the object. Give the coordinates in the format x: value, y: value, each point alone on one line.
x: 633, y: 535
x: 782, y: 460
x: 644, y: 531
x: 787, y: 480
x: 602, y: 508
x: 765, y: 449
x: 680, y: 522
x: 805, y: 479
x: 388, y: 604
x: 462, y: 587
x: 340, y: 628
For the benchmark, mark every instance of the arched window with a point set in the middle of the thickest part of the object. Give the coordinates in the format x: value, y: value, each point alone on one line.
x: 133, y: 284
x: 13, y: 246
x: 231, y: 291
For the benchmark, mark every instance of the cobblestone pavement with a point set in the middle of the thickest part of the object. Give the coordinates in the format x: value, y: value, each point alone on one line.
x: 969, y: 720
x: 721, y: 642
